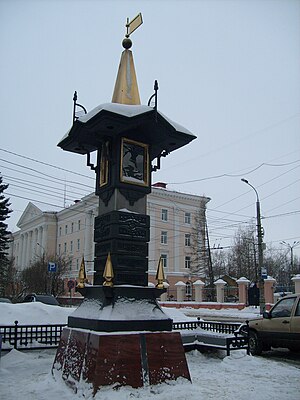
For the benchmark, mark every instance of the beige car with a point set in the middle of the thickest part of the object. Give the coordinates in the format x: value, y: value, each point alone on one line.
x: 280, y: 327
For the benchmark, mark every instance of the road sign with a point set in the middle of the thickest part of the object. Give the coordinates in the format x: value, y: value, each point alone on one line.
x: 71, y: 284
x: 52, y: 267
x: 264, y: 273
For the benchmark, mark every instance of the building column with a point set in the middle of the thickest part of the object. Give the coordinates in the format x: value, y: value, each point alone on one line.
x: 269, y: 285
x: 30, y: 252
x: 296, y: 280
x: 176, y: 241
x: 220, y: 290
x: 243, y: 284
x: 21, y: 249
x: 88, y: 241
x: 36, y: 240
x: 39, y: 237
x: 25, y: 249
x: 44, y: 238
x: 180, y: 289
x: 199, y: 290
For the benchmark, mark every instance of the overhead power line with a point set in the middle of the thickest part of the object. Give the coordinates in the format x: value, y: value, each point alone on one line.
x: 234, y: 175
x: 47, y: 164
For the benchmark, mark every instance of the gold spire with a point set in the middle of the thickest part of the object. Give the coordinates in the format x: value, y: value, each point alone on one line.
x: 126, y: 88
x: 108, y: 273
x: 160, y: 275
x: 82, y: 275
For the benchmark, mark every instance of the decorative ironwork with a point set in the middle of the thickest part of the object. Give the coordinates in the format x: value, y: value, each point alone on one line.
x: 108, y: 273
x: 131, y: 195
x: 75, y: 104
x: 154, y: 96
x: 154, y: 168
x: 106, y: 196
x: 160, y: 275
x: 92, y: 166
x: 31, y: 336
x: 82, y: 280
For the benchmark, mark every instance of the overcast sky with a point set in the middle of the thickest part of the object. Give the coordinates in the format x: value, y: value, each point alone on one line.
x: 227, y: 70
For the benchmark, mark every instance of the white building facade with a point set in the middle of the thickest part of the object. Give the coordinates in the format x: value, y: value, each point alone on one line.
x: 174, y: 216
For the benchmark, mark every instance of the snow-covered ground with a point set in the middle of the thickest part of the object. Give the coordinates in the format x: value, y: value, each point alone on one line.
x: 27, y: 375
x: 39, y: 313
x: 228, y: 313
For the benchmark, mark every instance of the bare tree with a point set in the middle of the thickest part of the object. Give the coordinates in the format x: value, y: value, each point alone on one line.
x: 242, y: 256
x: 201, y: 260
x: 38, y: 279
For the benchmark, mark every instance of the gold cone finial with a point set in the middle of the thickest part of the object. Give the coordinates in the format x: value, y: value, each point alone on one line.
x: 160, y: 275
x: 82, y: 275
x: 108, y: 273
x: 126, y: 88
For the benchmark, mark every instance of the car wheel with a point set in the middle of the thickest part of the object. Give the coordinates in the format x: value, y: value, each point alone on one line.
x: 255, y: 345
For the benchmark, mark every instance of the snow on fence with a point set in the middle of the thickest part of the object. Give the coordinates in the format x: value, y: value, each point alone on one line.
x: 29, y: 337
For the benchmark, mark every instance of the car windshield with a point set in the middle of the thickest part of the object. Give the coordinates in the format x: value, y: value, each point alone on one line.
x: 297, y: 313
x: 283, y: 308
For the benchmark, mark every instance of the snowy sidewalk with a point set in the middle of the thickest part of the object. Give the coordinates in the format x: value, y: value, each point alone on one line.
x: 27, y: 376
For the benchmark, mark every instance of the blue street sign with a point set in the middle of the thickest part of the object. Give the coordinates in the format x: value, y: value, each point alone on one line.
x: 264, y: 273
x: 52, y: 267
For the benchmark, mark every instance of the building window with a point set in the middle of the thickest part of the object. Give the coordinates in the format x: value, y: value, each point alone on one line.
x: 72, y: 227
x: 65, y: 247
x: 188, y: 289
x: 187, y: 262
x: 59, y: 249
x: 164, y: 214
x: 77, y: 264
x: 60, y: 231
x: 66, y: 229
x: 70, y: 266
x: 164, y: 237
x: 71, y: 246
x: 78, y: 244
x: 79, y: 224
x: 164, y: 259
x: 187, y: 239
x: 187, y: 218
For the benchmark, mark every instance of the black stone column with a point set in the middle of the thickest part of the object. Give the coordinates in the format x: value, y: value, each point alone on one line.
x: 125, y: 235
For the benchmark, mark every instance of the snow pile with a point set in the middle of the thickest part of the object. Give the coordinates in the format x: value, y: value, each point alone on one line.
x: 234, y: 313
x: 37, y: 313
x: 27, y: 376
x: 34, y: 313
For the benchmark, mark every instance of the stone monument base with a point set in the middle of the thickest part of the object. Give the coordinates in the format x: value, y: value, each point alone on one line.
x: 120, y: 308
x: 134, y: 358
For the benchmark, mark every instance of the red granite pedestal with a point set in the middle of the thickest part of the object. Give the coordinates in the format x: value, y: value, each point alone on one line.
x: 134, y: 359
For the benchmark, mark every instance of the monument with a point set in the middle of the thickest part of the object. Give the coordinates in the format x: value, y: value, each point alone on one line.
x: 119, y: 335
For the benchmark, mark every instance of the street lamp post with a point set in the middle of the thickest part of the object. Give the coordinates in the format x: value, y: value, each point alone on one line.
x: 260, y: 248
x: 291, y: 247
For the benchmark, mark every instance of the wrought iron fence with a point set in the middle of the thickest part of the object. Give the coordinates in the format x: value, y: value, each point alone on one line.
x: 31, y: 336
x: 212, y: 326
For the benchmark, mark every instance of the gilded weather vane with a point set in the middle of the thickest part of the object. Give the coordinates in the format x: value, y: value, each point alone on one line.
x: 130, y: 28
x: 133, y: 24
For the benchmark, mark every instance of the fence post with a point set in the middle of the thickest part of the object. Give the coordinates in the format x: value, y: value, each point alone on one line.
x: 269, y: 289
x: 243, y: 284
x: 16, y: 335
x: 220, y: 290
x: 180, y: 288
x: 296, y: 280
x: 198, y: 290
